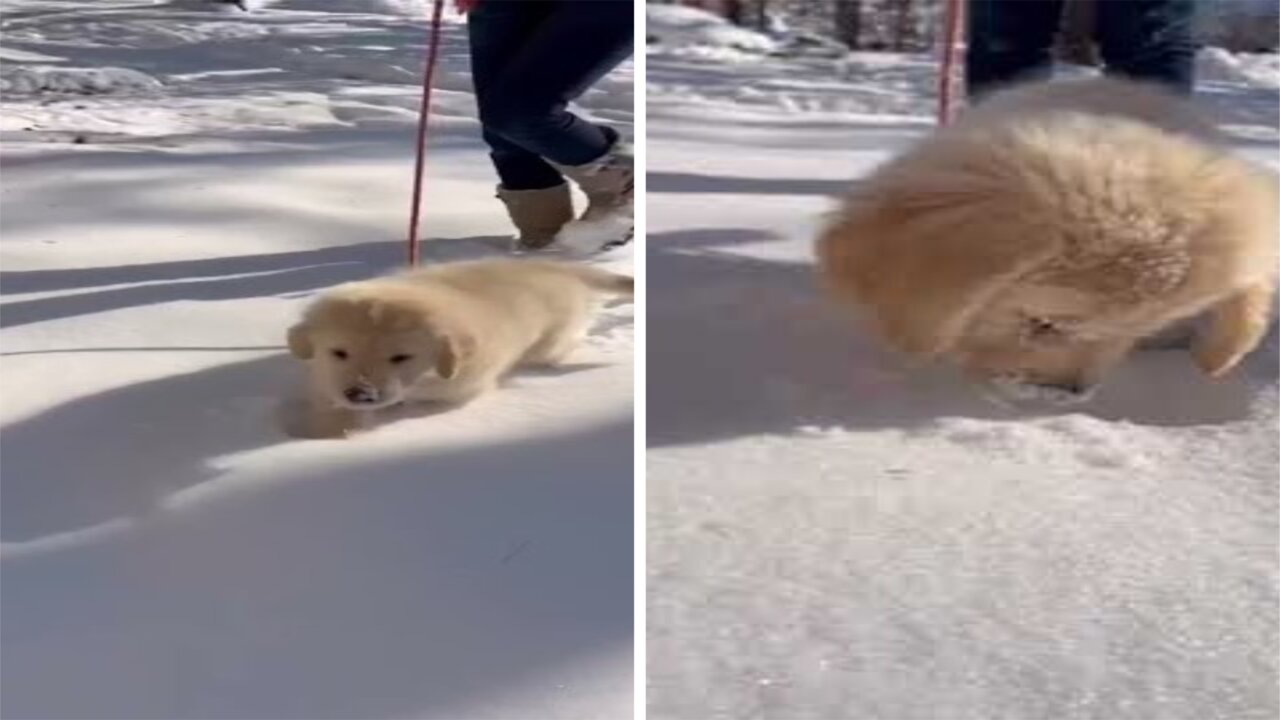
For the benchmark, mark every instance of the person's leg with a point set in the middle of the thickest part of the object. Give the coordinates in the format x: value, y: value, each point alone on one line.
x: 578, y: 43
x: 497, y: 31
x: 534, y: 193
x: 1009, y: 41
x: 1149, y: 40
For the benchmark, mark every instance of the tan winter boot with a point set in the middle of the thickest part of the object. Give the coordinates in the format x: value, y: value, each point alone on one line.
x: 606, y: 181
x: 537, y: 214
x: 608, y: 221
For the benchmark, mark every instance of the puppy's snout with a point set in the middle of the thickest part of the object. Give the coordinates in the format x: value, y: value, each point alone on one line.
x: 360, y: 394
x: 1070, y: 391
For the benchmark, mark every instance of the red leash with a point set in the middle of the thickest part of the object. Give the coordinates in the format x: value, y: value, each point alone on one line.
x: 951, y: 43
x: 424, y: 112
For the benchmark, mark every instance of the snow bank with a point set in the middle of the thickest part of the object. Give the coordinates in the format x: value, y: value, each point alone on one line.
x: 676, y: 26
x: 1261, y: 69
x: 413, y: 8
x: 859, y: 84
x: 30, y: 79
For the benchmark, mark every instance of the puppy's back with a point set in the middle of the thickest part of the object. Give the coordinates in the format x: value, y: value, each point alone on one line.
x: 501, y: 275
x: 1107, y: 179
x: 1096, y: 97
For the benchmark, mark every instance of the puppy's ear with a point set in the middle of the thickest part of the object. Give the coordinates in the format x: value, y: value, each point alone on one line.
x: 1236, y: 326
x: 923, y: 264
x: 300, y: 341
x: 455, y: 349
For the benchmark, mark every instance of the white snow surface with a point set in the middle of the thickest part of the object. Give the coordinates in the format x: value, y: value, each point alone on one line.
x: 167, y: 553
x: 834, y: 534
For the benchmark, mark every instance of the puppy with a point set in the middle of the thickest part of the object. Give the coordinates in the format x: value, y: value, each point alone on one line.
x: 445, y: 334
x: 1036, y: 240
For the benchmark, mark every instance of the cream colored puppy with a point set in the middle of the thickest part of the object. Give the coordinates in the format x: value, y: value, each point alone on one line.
x: 1051, y: 228
x: 445, y: 334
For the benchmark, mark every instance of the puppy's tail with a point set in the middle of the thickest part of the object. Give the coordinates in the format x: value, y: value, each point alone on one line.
x: 606, y: 282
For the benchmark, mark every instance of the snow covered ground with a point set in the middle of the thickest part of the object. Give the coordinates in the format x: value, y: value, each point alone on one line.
x: 831, y: 535
x: 178, y: 177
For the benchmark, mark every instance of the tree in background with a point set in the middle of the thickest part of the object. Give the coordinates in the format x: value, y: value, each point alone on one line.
x: 1075, y: 37
x: 915, y: 25
x: 848, y: 21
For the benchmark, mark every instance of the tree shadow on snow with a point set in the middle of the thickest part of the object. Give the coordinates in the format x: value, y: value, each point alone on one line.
x: 413, y: 582
x: 119, y: 454
x: 739, y: 346
x: 687, y: 182
x: 223, y: 278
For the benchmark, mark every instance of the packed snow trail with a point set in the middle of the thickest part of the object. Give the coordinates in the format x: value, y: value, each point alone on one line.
x: 178, y: 179
x: 834, y: 535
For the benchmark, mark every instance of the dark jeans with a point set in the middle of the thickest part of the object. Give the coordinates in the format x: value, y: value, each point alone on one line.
x: 529, y: 59
x: 1149, y: 40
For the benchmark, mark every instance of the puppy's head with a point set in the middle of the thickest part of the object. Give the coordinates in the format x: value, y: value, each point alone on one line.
x: 1045, y: 342
x: 368, y: 344
x: 924, y: 256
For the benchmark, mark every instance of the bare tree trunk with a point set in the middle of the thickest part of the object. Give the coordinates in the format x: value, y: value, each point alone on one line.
x: 734, y: 12
x: 902, y: 26
x: 1075, y: 35
x: 762, y: 15
x: 848, y: 21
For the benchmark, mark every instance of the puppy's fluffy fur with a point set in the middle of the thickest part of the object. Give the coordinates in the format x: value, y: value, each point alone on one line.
x: 1043, y: 234
x: 445, y: 334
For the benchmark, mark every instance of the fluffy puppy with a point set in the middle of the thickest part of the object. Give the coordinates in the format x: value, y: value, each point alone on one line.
x: 445, y: 334
x: 1051, y: 228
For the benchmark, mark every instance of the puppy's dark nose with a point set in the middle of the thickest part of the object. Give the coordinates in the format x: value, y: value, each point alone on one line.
x: 360, y: 395
x: 1069, y: 390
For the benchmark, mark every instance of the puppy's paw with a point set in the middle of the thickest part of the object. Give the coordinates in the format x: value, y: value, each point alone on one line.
x: 554, y: 357
x: 303, y: 420
x: 555, y: 349
x: 1237, y: 326
x: 1216, y: 356
x: 466, y: 394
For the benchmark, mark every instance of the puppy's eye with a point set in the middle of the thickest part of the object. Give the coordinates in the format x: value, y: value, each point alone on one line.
x: 340, y: 354
x: 397, y: 359
x: 1041, y: 329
